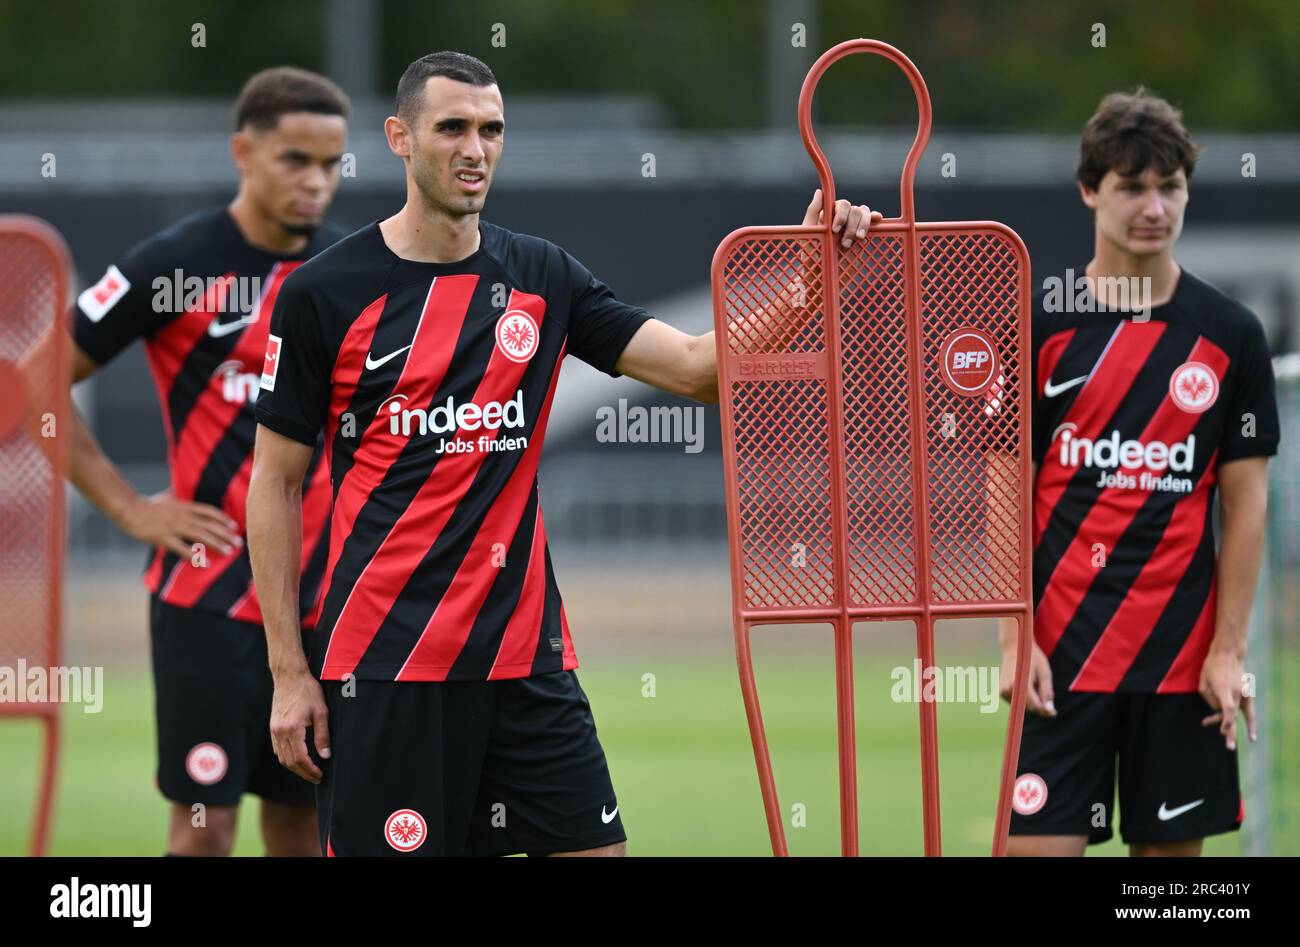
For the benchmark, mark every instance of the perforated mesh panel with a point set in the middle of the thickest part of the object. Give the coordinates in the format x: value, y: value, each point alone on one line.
x: 32, y: 287
x: 781, y: 423
x: 969, y: 280
x: 761, y: 272
x: 783, y: 469
x: 781, y: 433
x: 878, y: 390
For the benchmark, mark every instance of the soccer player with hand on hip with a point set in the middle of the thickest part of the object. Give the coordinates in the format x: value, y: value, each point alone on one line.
x: 198, y: 296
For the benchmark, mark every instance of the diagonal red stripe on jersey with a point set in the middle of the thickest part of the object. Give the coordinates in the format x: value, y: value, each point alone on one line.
x: 167, y: 351
x: 348, y: 363
x: 213, y: 414
x: 315, y: 510
x: 445, y: 308
x: 1110, y: 515
x: 208, y: 422
x: 1049, y: 356
x: 1135, y: 619
x: 1095, y: 404
x: 1185, y: 673
x: 448, y: 628
x: 519, y: 640
x: 422, y: 521
x: 188, y: 583
x: 153, y: 575
x: 570, y: 655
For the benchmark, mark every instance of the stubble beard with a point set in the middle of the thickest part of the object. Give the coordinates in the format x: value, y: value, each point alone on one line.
x: 438, y: 198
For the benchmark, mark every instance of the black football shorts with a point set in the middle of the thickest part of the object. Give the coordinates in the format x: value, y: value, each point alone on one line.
x: 1177, y: 779
x: 212, y: 705
x: 424, y: 768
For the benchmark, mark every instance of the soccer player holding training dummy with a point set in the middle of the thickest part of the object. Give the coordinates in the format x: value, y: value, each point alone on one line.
x: 199, y: 294
x: 1152, y: 390
x: 439, y: 712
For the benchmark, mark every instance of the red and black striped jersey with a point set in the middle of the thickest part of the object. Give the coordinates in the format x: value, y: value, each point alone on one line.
x: 201, y: 296
x: 1133, y: 415
x: 433, y: 383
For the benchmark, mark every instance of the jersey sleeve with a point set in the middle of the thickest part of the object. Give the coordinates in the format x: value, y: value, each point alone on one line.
x: 1251, y: 427
x: 295, y: 390
x: 600, y: 325
x: 120, y: 308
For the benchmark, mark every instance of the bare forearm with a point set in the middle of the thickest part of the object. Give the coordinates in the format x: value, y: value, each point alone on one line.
x: 94, y: 475
x: 704, y: 353
x: 769, y: 329
x: 275, y: 549
x: 1240, y: 553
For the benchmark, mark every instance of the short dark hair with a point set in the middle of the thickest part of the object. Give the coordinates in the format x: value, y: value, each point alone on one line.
x: 284, y: 89
x: 461, y: 67
x: 1130, y: 132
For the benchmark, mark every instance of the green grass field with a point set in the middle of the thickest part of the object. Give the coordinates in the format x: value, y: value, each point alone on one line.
x: 681, y: 761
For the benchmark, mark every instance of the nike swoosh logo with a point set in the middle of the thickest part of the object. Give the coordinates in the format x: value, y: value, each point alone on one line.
x: 1051, y: 391
x: 218, y: 329
x: 1166, y: 814
x: 373, y: 363
x: 607, y: 818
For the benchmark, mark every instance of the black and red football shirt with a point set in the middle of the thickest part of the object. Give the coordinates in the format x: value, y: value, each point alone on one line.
x: 200, y: 296
x: 1133, y: 415
x: 433, y: 383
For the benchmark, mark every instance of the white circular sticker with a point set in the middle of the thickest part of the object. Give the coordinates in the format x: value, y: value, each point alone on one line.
x: 405, y: 830
x: 517, y: 335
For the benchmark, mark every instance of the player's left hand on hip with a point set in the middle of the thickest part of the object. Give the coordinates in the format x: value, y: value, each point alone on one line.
x: 849, y: 220
x: 1222, y: 686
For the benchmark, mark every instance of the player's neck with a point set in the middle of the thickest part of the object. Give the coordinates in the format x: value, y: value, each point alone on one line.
x: 261, y: 231
x: 1110, y: 262
x: 428, y: 237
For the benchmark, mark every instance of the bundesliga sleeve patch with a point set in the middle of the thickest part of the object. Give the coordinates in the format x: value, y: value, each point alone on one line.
x: 96, y: 301
x: 272, y: 363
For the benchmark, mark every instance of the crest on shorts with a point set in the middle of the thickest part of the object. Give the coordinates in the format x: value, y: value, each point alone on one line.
x: 405, y: 830
x: 516, y: 335
x: 206, y: 763
x: 1194, y: 387
x: 1030, y: 794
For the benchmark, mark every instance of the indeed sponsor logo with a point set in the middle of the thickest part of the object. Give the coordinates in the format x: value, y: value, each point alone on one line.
x: 1113, y: 457
x: 1111, y: 452
x: 237, y: 385
x: 449, y: 417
